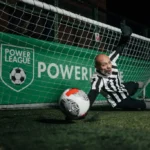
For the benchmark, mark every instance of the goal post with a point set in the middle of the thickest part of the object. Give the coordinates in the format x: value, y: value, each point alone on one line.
x: 46, y: 49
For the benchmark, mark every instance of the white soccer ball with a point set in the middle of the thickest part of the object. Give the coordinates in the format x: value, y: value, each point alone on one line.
x: 74, y: 103
x: 17, y: 76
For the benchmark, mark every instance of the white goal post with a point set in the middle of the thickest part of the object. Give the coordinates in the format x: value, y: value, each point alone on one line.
x: 54, y: 49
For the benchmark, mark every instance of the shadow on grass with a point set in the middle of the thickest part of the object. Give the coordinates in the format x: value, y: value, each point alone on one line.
x: 108, y: 108
x: 101, y: 108
x: 54, y: 121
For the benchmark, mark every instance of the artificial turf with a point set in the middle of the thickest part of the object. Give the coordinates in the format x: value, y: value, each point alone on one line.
x: 46, y: 129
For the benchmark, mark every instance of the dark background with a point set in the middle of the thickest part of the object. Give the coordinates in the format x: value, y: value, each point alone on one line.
x: 136, y: 14
x: 113, y: 11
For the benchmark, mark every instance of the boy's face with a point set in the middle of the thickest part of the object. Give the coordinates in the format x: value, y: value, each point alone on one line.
x: 104, y: 64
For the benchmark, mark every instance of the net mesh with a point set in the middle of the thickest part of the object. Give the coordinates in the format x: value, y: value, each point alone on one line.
x: 56, y: 49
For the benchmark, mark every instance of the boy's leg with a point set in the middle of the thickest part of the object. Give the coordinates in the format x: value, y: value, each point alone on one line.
x: 131, y: 87
x: 131, y: 103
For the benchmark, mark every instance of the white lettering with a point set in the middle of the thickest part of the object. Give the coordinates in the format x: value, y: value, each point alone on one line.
x: 77, y: 72
x: 12, y: 52
x: 10, y: 59
x: 19, y: 53
x: 14, y: 59
x: 49, y: 71
x: 90, y: 73
x: 84, y: 73
x: 17, y: 56
x: 20, y: 60
x: 6, y: 51
x: 28, y: 54
x: 41, y: 68
x: 6, y: 58
x: 66, y: 72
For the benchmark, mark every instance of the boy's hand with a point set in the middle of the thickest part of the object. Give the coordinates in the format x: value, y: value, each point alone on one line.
x: 126, y: 30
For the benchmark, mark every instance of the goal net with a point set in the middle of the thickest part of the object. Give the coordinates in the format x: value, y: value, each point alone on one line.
x: 45, y: 50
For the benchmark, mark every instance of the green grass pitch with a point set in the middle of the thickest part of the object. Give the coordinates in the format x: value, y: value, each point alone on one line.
x: 46, y: 129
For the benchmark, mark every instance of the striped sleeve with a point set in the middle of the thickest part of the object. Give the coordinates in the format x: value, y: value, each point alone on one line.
x: 115, y: 54
x: 96, y: 83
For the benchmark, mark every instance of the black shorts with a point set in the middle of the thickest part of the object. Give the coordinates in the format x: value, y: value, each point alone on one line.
x: 131, y: 103
x: 131, y: 87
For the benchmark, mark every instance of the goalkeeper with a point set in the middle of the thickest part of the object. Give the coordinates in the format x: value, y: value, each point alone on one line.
x: 107, y: 82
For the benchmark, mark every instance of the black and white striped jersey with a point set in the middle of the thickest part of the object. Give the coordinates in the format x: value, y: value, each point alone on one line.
x: 109, y: 86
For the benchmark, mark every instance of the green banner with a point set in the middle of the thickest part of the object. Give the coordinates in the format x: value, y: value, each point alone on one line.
x: 36, y: 71
x: 16, y: 62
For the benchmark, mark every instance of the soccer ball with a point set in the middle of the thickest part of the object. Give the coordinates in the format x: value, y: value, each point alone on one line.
x: 74, y: 103
x: 17, y: 76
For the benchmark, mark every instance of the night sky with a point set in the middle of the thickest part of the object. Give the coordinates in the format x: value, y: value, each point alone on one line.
x: 138, y: 10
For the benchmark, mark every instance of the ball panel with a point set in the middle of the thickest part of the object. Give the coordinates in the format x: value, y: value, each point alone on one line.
x: 17, y: 70
x: 22, y: 79
x: 17, y: 82
x: 83, y: 103
x: 17, y: 76
x: 13, y: 71
x: 74, y: 103
x: 13, y: 78
x: 71, y: 91
x: 69, y: 108
x: 23, y: 73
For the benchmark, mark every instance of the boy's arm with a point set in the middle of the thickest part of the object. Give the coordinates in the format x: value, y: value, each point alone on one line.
x: 92, y: 96
x: 96, y: 86
x: 125, y: 36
